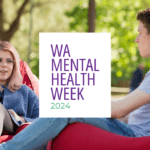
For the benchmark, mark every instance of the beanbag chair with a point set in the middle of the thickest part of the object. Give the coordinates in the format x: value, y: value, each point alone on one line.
x: 29, y: 78
x: 81, y: 136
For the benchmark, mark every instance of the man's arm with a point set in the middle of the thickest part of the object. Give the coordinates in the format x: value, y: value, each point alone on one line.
x: 132, y: 101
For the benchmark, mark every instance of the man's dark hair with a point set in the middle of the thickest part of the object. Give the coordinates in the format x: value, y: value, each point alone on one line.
x: 144, y: 17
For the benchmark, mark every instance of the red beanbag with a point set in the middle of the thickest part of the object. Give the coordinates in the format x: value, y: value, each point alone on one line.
x: 29, y: 78
x: 80, y: 136
x: 5, y: 138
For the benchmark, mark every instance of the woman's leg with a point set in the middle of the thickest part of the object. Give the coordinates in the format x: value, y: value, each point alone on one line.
x: 6, y: 123
x: 43, y: 130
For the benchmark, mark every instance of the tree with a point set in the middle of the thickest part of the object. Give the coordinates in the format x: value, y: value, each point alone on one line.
x: 118, y: 18
x: 91, y: 16
x: 48, y: 16
x: 6, y: 35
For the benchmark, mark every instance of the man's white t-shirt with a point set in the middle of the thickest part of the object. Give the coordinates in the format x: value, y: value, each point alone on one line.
x: 139, y: 120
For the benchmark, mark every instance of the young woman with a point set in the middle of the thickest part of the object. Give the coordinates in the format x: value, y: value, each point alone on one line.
x: 137, y: 104
x: 18, y: 103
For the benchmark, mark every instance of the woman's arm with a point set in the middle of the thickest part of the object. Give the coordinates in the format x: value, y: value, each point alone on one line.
x: 34, y: 115
x: 33, y: 106
x: 132, y: 101
x: 28, y: 108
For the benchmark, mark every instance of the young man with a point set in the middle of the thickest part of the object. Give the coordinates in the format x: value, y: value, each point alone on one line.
x: 137, y: 104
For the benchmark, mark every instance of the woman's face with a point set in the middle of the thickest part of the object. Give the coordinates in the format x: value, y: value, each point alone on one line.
x: 6, y: 66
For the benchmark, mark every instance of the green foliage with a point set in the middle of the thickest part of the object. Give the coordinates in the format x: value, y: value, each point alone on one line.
x: 79, y: 17
x: 35, y: 64
x: 118, y: 18
x: 48, y: 16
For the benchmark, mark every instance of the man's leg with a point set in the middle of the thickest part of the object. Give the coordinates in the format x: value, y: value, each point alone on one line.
x: 108, y: 124
x: 43, y: 130
x: 38, y: 133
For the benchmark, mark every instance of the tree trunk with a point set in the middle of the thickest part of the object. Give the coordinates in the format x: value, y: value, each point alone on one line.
x: 91, y: 16
x: 7, y: 35
x: 1, y: 19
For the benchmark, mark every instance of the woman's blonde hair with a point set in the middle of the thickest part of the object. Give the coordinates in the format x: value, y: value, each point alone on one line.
x: 15, y: 80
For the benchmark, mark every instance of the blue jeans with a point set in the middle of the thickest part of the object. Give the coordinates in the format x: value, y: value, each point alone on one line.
x: 43, y: 130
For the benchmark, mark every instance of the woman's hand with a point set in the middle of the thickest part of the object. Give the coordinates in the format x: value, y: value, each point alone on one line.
x: 15, y: 115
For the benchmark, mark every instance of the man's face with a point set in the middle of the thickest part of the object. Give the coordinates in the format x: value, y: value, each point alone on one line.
x: 143, y: 40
